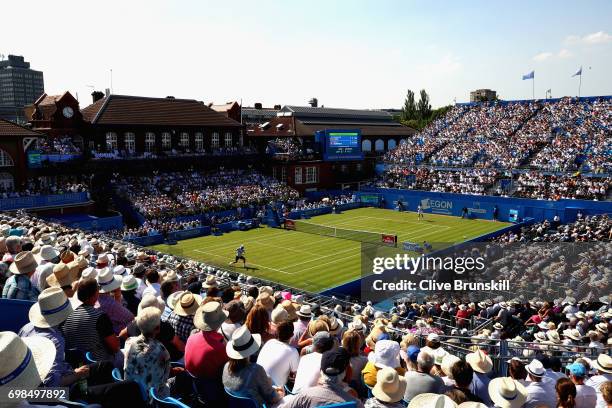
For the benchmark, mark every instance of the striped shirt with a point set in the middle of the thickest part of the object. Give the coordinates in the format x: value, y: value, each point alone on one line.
x: 85, y: 330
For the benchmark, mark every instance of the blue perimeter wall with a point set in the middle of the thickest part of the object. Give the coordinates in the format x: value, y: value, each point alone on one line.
x: 482, y: 206
x: 530, y: 211
x: 17, y: 203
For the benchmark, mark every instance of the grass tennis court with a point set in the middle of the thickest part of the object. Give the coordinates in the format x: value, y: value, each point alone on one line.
x: 314, y: 262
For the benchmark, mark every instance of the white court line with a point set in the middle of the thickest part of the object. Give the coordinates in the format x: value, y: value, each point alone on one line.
x: 319, y: 258
x: 250, y: 263
x: 214, y: 247
x: 332, y: 261
x: 406, y: 221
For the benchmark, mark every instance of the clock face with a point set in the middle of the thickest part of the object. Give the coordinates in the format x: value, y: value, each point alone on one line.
x: 68, y: 112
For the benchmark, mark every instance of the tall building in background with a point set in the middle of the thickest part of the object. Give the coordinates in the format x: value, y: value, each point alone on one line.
x: 19, y: 86
x: 483, y: 95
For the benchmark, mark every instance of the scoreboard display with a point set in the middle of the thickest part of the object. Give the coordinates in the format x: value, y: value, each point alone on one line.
x: 340, y: 144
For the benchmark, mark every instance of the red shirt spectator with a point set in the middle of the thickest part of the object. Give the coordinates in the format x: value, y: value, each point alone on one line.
x: 205, y: 355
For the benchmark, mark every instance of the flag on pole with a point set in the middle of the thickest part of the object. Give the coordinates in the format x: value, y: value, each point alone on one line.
x: 530, y: 75
x: 579, y: 72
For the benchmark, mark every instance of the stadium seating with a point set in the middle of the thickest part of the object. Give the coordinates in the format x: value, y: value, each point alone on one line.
x: 14, y: 314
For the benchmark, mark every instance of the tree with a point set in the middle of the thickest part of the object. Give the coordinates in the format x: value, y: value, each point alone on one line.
x: 409, y: 111
x: 424, y: 107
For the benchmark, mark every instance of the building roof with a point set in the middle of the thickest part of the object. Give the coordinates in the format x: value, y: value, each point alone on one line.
x: 12, y: 129
x: 308, y: 111
x: 140, y: 110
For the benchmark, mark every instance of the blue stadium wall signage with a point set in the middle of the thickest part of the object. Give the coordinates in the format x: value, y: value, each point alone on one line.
x: 340, y: 144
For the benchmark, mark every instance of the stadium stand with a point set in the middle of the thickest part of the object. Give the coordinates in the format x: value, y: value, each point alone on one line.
x: 165, y: 322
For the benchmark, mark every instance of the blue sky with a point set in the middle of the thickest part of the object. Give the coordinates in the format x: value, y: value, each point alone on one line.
x: 358, y: 54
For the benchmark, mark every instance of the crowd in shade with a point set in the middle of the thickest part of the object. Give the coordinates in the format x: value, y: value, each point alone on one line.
x: 45, y: 185
x: 585, y: 229
x: 58, y: 145
x: 287, y: 148
x: 102, y: 154
x: 168, y: 195
x: 179, y: 328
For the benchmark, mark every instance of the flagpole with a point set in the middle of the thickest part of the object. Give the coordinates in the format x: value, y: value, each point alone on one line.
x: 579, y: 83
x: 533, y: 87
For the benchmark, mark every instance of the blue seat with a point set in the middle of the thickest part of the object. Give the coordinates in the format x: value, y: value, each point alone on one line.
x: 14, y: 314
x: 350, y: 404
x: 209, y: 392
x: 238, y: 401
x: 117, y: 375
x: 89, y: 357
x: 165, y: 402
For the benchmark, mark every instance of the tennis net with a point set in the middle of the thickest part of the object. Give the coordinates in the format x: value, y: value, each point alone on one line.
x: 342, y: 233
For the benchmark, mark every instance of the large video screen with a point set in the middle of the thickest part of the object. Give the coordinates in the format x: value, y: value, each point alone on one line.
x: 343, y: 145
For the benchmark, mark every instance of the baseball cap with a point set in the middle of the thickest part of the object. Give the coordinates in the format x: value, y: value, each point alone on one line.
x: 577, y: 369
x: 334, y: 362
x: 413, y: 352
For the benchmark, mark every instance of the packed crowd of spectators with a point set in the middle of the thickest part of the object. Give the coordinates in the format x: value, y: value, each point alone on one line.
x: 168, y: 195
x: 138, y: 312
x: 58, y: 145
x: 45, y: 185
x: 543, y: 186
x: 561, y: 136
x: 584, y: 229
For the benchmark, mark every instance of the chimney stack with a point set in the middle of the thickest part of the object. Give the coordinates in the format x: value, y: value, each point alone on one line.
x: 96, y: 96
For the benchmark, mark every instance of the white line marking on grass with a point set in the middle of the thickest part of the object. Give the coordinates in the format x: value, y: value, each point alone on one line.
x: 319, y: 258
x: 332, y: 261
x: 215, y: 247
x: 248, y: 263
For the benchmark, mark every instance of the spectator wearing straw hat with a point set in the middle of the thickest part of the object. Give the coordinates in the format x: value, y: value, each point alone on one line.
x: 63, y: 276
x: 388, y: 391
x: 26, y: 362
x: 385, y: 354
x: 603, y: 366
x: 51, y: 310
x: 540, y: 391
x: 205, y: 353
x: 19, y: 286
x: 300, y: 326
x: 246, y: 378
x: 47, y: 257
x: 128, y: 293
x: 482, y: 366
x: 109, y: 300
x: 505, y: 392
x: 181, y: 318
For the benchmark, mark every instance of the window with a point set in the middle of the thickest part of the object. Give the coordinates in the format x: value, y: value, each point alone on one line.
x: 184, y: 142
x: 215, y: 140
x: 228, y: 139
x: 5, y: 159
x: 130, y: 142
x: 166, y: 141
x: 111, y: 141
x: 199, y: 142
x: 274, y: 173
x: 298, y: 175
x: 283, y: 173
x: 311, y: 174
x: 379, y: 145
x: 7, y: 182
x: 358, y: 167
x: 366, y: 145
x: 391, y: 144
x: 149, y: 141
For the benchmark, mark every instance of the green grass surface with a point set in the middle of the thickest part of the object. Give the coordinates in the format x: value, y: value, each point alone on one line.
x: 314, y: 262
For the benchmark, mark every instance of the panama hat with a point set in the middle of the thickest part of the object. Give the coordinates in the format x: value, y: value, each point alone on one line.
x: 540, y: 336
x: 102, y: 259
x: 603, y: 363
x: 507, y: 393
x: 46, y: 239
x: 210, y: 316
x: 247, y: 301
x: 62, y: 276
x: 26, y: 361
x: 266, y: 289
x: 173, y: 298
x: 23, y: 263
x: 108, y: 281
x: 48, y: 253
x: 119, y: 270
x: 89, y: 272
x: 390, y: 386
x: 279, y: 315
x: 187, y: 304
x: 210, y: 282
x: 171, y: 277
x: 265, y: 300
x: 304, y: 311
x: 439, y: 355
x: 479, y: 361
x: 52, y: 308
x: 431, y: 400
x: 498, y: 326
x: 602, y: 327
x: 243, y: 344
x: 129, y: 283
x: 471, y: 404
x: 573, y: 334
x: 553, y: 336
x: 336, y: 325
x: 448, y: 361
x: 290, y: 308
x: 535, y: 368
